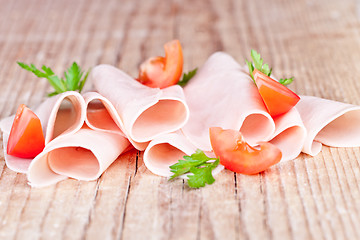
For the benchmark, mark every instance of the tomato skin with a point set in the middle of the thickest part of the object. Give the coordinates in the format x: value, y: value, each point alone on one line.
x: 236, y: 155
x: 278, y: 99
x: 162, y: 72
x: 26, y: 139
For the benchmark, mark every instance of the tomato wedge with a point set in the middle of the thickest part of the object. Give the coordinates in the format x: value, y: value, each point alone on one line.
x: 278, y: 99
x: 238, y: 156
x: 26, y: 138
x: 162, y: 72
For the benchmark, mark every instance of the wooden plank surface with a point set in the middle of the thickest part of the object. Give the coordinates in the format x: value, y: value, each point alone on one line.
x: 309, y: 198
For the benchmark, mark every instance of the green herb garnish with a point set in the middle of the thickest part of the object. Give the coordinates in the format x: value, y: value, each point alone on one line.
x: 74, y: 80
x: 264, y: 68
x: 199, y: 165
x: 186, y: 77
x: 286, y: 81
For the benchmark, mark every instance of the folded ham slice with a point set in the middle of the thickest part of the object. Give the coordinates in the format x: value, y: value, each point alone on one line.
x: 166, y: 150
x: 289, y: 135
x: 60, y: 115
x: 329, y: 122
x: 72, y: 149
x: 222, y: 94
x: 84, y: 155
x: 145, y: 112
x: 85, y: 134
x: 101, y: 114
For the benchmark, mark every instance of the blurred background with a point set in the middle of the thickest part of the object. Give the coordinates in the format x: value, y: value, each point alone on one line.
x: 310, y: 40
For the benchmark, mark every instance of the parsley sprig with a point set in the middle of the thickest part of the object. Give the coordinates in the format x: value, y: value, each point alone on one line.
x: 264, y: 68
x: 199, y: 165
x: 286, y: 81
x: 186, y: 77
x: 74, y: 77
x: 258, y: 64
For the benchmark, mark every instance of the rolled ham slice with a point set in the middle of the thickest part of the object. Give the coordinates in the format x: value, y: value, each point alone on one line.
x: 329, y: 122
x: 101, y: 114
x: 60, y: 115
x: 145, y: 112
x: 72, y: 149
x: 290, y: 134
x: 84, y: 155
x: 166, y: 150
x: 222, y: 94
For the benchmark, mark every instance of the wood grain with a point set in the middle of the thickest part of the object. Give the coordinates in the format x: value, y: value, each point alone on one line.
x: 308, y: 198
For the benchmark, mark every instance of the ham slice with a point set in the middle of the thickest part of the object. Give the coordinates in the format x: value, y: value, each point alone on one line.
x: 222, y: 94
x: 60, y: 115
x: 85, y: 134
x: 84, y: 155
x: 101, y: 114
x: 329, y: 122
x: 289, y: 135
x: 72, y: 149
x: 145, y: 112
x: 166, y: 150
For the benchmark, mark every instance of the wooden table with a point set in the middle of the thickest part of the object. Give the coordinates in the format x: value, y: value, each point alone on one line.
x: 318, y: 42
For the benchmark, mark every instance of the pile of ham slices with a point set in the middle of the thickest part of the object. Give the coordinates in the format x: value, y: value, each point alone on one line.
x: 85, y: 133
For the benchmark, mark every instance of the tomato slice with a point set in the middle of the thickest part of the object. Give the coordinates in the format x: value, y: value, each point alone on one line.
x: 161, y: 72
x: 238, y: 156
x: 26, y: 138
x: 278, y: 99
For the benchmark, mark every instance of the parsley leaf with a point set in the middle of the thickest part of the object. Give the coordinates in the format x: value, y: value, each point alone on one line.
x: 202, y: 175
x: 258, y: 64
x: 251, y: 68
x: 74, y: 80
x: 264, y: 68
x: 183, y: 166
x: 199, y: 165
x: 186, y: 77
x: 286, y: 81
x: 258, y: 61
